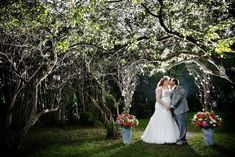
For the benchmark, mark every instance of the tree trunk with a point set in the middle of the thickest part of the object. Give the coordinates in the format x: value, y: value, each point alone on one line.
x: 12, y: 133
x: 12, y: 103
x: 109, y: 122
x: 112, y: 130
x: 32, y: 109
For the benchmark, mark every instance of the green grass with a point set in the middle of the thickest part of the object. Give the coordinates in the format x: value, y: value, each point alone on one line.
x: 75, y: 141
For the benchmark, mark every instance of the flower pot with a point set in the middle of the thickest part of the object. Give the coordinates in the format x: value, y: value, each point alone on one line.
x: 208, y: 136
x: 126, y: 135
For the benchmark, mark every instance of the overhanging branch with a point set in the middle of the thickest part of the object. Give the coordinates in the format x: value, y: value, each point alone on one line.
x: 173, y: 33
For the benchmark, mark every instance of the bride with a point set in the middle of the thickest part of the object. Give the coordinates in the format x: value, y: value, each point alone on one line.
x: 162, y: 127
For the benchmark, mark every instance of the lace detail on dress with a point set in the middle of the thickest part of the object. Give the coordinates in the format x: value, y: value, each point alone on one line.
x: 166, y: 93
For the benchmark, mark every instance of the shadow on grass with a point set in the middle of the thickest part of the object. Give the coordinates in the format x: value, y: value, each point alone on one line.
x: 139, y: 148
x: 222, y: 151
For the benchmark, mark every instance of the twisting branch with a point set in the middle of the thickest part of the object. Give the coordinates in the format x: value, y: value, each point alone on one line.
x: 173, y: 33
x: 220, y: 73
x: 126, y: 79
x: 202, y: 80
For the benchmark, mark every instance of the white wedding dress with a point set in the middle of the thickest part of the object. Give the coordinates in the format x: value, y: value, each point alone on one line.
x: 162, y: 127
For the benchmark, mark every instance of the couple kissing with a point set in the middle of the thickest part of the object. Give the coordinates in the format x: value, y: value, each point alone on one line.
x: 168, y: 124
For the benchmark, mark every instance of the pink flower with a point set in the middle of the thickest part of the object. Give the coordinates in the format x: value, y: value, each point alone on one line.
x: 204, y: 124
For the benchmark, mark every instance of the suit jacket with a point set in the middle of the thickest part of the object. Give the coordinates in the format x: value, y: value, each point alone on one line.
x: 179, y: 101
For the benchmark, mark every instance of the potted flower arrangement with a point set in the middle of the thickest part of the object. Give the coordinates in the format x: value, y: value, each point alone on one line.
x: 207, y: 121
x: 126, y: 121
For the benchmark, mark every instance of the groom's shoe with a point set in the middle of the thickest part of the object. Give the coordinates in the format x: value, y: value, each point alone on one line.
x: 179, y: 143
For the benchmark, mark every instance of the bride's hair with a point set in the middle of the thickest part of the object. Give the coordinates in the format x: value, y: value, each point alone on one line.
x: 160, y: 83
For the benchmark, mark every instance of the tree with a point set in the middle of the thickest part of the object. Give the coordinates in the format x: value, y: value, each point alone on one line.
x: 126, y: 78
x: 30, y: 57
x: 173, y: 32
x: 203, y: 81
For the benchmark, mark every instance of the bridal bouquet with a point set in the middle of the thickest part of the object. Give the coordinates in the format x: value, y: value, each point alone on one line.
x: 127, y: 120
x: 207, y: 120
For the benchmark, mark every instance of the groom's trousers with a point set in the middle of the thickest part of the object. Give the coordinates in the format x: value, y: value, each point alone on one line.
x: 182, y: 124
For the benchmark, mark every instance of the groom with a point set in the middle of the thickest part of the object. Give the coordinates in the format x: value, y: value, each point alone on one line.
x: 180, y: 107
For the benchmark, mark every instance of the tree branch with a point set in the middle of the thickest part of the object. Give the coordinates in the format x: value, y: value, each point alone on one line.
x: 173, y: 33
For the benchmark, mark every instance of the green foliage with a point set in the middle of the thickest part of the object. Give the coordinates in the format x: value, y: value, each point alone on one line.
x: 223, y: 46
x: 62, y: 46
x: 111, y: 25
x: 221, y: 35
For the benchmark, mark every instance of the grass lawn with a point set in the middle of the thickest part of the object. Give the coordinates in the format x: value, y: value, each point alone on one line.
x: 74, y: 141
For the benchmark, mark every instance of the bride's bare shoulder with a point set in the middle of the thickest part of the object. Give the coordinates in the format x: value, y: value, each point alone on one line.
x: 158, y: 88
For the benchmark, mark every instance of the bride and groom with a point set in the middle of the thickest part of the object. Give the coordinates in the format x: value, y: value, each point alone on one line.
x: 168, y: 124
